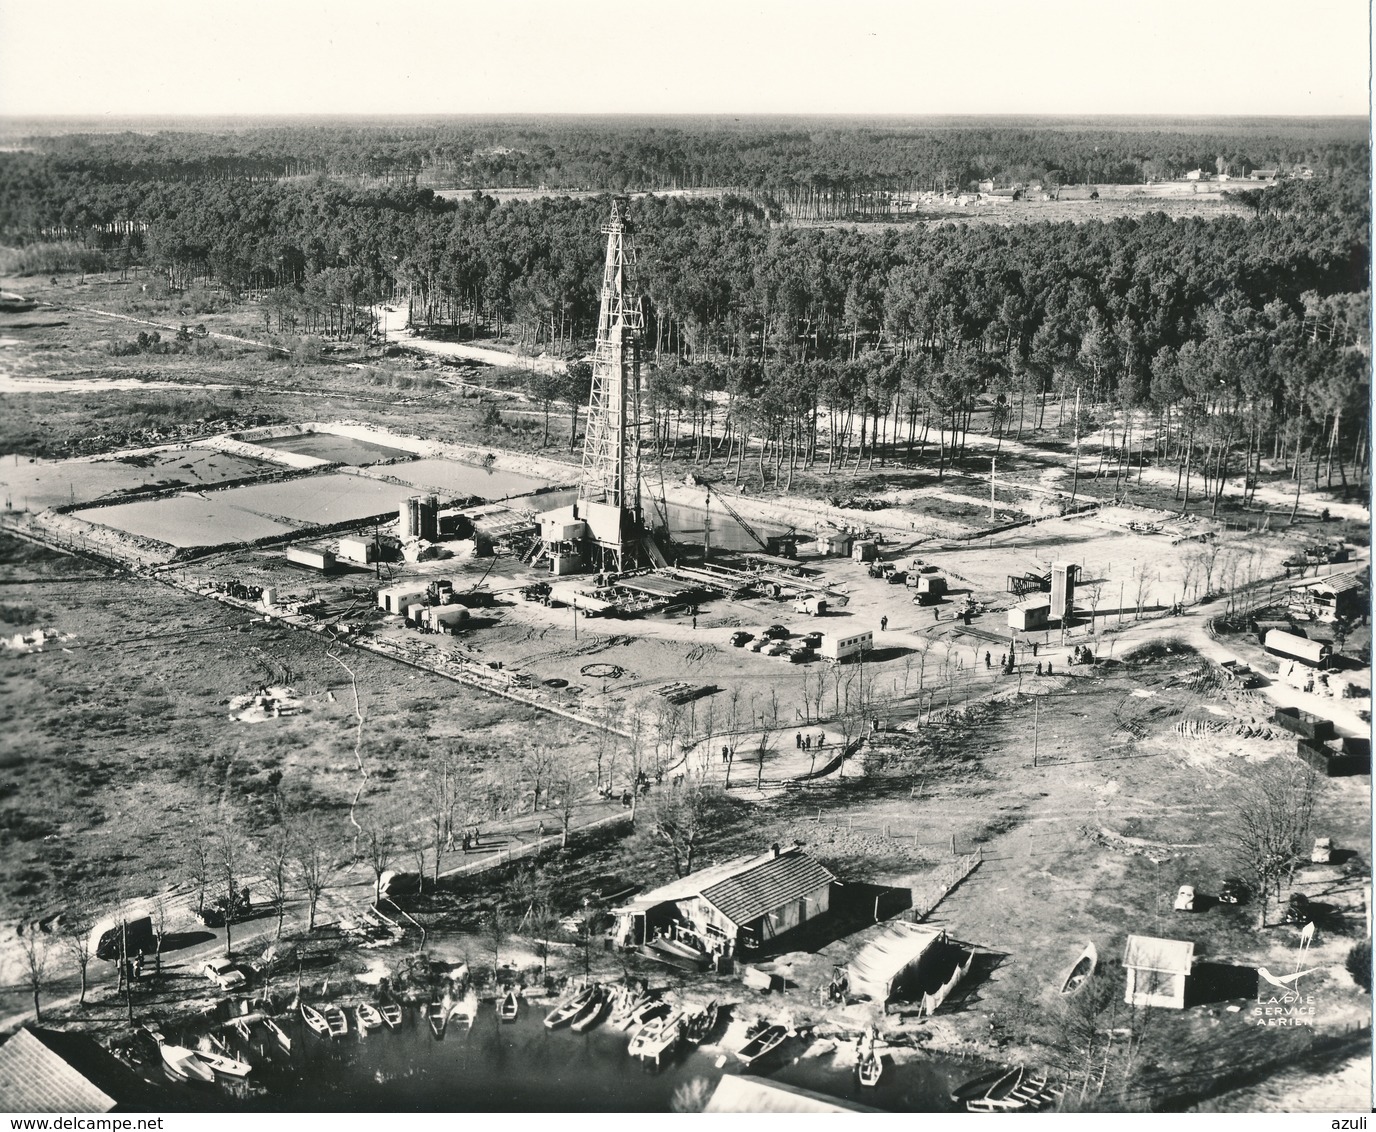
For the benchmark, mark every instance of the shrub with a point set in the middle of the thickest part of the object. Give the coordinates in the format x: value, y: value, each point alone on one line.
x: 1159, y: 647
x: 1359, y: 965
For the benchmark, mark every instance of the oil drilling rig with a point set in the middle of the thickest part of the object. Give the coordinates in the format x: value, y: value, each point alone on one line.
x: 605, y: 529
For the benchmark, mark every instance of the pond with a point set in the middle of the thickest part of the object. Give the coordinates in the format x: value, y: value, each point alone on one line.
x: 454, y: 478
x: 186, y: 520
x: 38, y: 484
x: 336, y: 449
x: 687, y: 524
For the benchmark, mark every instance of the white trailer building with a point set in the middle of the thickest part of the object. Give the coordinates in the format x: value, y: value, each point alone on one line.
x: 837, y: 647
x: 395, y: 599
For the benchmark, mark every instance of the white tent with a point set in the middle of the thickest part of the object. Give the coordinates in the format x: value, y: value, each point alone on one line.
x: 881, y: 963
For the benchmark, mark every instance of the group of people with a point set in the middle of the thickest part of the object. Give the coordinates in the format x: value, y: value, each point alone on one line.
x: 807, y: 742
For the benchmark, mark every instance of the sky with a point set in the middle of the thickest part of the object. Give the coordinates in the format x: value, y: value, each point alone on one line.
x: 255, y: 57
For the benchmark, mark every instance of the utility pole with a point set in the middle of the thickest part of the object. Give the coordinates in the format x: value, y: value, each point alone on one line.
x: 1075, y: 482
x: 992, y: 461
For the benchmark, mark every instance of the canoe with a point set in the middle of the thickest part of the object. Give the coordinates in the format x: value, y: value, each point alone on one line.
x: 337, y: 1021
x: 182, y: 1064
x: 568, y: 1007
x: 870, y: 1069
x: 229, y: 1066
x: 438, y: 1014
x: 283, y: 1039
x: 656, y: 1036
x: 1080, y: 973
x: 698, y: 1021
x: 508, y: 1006
x: 627, y: 1008
x: 391, y: 1014
x: 761, y: 1045
x: 995, y: 1099
x: 315, y: 1020
x: 590, y: 1015
x: 368, y: 1017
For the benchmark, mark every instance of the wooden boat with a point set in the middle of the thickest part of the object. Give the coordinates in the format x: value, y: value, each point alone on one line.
x: 870, y: 1069
x: 438, y: 1015
x: 996, y: 1096
x: 283, y: 1038
x: 698, y: 1021
x: 761, y: 1045
x: 977, y: 1086
x: 1028, y: 1095
x: 315, y: 1020
x: 508, y: 1006
x: 570, y: 1006
x: 657, y: 1036
x: 465, y: 1011
x: 367, y: 1017
x: 337, y: 1021
x: 590, y: 1015
x: 677, y: 949
x: 1083, y: 969
x: 628, y: 1007
x: 222, y: 1063
x: 654, y: 1008
x: 391, y: 1015
x: 182, y: 1064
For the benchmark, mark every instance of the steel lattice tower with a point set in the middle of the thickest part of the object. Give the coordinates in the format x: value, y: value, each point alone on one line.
x: 611, y: 445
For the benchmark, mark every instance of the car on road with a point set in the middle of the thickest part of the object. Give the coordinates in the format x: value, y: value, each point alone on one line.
x: 740, y: 638
x: 1184, y: 899
x: 1234, y: 891
x: 776, y: 633
x: 224, y: 973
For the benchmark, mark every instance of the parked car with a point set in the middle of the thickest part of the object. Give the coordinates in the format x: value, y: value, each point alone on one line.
x: 1184, y: 899
x: 813, y: 640
x: 898, y: 578
x: 759, y: 643
x: 776, y: 633
x: 224, y: 973
x: 1234, y: 891
x: 740, y: 638
x: 1322, y: 853
x: 778, y: 648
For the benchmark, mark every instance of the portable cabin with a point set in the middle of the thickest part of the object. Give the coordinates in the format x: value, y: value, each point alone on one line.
x: 864, y: 550
x: 1316, y: 654
x: 1157, y: 971
x: 361, y: 550
x: 834, y: 544
x: 934, y: 584
x: 395, y: 599
x: 311, y: 557
x: 837, y: 647
x: 444, y: 618
x: 1030, y: 615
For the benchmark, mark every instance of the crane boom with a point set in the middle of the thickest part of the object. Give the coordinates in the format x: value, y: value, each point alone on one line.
x: 746, y: 527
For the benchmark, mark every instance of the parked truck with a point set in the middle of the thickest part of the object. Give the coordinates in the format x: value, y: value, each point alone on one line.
x: 138, y: 938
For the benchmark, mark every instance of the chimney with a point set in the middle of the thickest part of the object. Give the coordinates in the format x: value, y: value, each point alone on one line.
x: 775, y: 847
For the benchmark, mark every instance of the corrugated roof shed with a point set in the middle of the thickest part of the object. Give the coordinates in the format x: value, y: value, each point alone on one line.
x: 751, y: 1094
x: 1147, y: 953
x: 37, y: 1073
x: 1338, y: 583
x: 750, y: 894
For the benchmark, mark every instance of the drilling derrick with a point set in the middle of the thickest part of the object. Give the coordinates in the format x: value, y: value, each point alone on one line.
x: 609, y: 488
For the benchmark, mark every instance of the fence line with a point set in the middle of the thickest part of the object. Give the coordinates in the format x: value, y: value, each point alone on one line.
x: 942, y: 882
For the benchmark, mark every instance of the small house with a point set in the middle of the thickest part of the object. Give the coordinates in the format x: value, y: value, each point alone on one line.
x: 864, y: 550
x: 834, y: 544
x: 1341, y: 596
x: 1157, y: 971
x: 1195, y: 175
x: 1030, y: 615
x: 396, y: 599
x: 360, y: 550
x: 838, y: 647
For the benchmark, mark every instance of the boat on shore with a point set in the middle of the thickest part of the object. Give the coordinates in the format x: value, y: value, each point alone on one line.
x: 337, y: 1021
x: 870, y: 1069
x: 994, y: 1098
x: 223, y: 1063
x: 182, y: 1064
x: 591, y: 1013
x: 651, y: 1008
x: 283, y: 1038
x: 698, y: 1021
x: 508, y: 1005
x: 315, y: 1020
x: 656, y: 1037
x: 761, y: 1044
x: 391, y: 1015
x: 367, y: 1017
x: 437, y: 1014
x: 567, y: 1008
x: 1082, y: 971
x: 464, y: 1012
x: 630, y: 1005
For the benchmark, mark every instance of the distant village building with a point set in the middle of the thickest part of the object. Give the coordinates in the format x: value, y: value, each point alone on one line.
x: 986, y: 186
x: 1341, y: 596
x: 1157, y: 971
x: 1194, y: 175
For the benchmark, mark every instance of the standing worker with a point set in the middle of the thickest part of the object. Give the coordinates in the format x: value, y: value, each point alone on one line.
x: 884, y: 623
x: 987, y: 662
x: 936, y: 614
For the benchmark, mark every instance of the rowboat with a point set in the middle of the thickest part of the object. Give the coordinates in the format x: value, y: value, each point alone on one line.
x: 315, y: 1020
x: 1080, y: 973
x: 222, y: 1063
x: 283, y: 1039
x: 627, y: 1008
x: 590, y: 1015
x: 337, y: 1021
x: 653, y: 1008
x: 994, y: 1098
x: 438, y: 1015
x: 368, y: 1017
x: 870, y: 1069
x: 391, y: 1014
x: 698, y: 1021
x: 657, y: 1036
x: 508, y: 1006
x: 977, y: 1086
x: 464, y: 1012
x: 567, y: 1008
x: 761, y: 1045
x: 182, y: 1064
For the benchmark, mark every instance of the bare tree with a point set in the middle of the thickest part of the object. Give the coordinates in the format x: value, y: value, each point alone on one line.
x: 233, y: 854
x: 681, y: 821
x: 158, y: 914
x: 314, y: 860
x: 35, y: 945
x: 202, y: 864
x: 76, y: 926
x: 415, y: 841
x: 1268, y: 824
x: 538, y: 764
x: 378, y: 847
x: 497, y: 930
x: 274, y: 859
